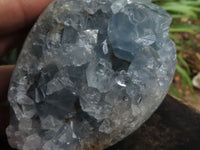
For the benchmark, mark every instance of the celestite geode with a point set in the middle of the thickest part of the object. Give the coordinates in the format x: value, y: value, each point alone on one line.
x: 90, y: 73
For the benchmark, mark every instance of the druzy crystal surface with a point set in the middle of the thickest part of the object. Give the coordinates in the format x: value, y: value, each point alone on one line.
x: 90, y: 73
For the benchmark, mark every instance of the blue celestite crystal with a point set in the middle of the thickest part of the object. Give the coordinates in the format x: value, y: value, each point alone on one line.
x: 137, y: 25
x: 90, y: 73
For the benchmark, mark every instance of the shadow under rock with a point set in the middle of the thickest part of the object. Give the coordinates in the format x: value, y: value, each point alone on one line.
x: 174, y: 126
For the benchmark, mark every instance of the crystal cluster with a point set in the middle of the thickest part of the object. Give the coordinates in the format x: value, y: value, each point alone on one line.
x: 90, y: 73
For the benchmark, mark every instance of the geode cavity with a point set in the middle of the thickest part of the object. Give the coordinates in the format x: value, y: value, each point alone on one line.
x: 90, y: 73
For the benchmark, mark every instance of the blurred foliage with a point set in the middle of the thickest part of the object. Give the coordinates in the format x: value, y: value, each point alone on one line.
x: 11, y: 57
x: 185, y: 15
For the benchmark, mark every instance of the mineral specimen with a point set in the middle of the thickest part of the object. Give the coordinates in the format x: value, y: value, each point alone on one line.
x: 90, y: 73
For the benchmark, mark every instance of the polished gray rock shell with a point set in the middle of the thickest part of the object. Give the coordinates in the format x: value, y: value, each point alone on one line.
x: 90, y: 73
